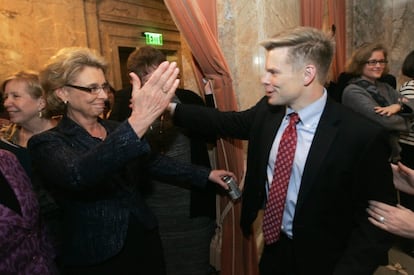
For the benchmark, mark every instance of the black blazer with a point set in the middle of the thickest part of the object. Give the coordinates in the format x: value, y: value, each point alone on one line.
x: 96, y: 183
x: 346, y: 166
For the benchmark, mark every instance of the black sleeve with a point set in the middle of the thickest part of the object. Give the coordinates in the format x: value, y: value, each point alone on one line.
x: 121, y: 110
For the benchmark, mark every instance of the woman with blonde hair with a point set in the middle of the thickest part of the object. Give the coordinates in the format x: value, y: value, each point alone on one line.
x: 25, y: 102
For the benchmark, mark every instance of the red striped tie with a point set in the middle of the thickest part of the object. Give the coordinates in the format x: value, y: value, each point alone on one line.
x: 272, y: 220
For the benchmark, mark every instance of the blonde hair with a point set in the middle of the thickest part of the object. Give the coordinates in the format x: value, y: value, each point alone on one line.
x: 305, y: 44
x: 33, y: 87
x: 63, y: 68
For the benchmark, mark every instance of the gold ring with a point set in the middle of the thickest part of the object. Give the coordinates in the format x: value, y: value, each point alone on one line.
x: 164, y: 90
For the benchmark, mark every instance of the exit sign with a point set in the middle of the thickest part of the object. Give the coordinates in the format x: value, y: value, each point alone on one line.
x: 152, y: 38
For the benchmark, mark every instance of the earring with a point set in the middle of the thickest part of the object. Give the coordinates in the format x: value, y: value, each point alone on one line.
x: 65, y: 102
x: 40, y: 114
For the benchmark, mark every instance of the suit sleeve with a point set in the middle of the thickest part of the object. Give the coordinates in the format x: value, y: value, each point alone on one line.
x: 173, y: 171
x: 208, y: 121
x: 121, y: 110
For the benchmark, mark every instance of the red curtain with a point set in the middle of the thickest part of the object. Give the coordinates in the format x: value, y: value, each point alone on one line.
x: 336, y: 14
x: 323, y: 14
x: 312, y: 13
x: 197, y: 23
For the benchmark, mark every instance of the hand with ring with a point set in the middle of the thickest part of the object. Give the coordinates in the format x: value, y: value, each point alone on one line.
x: 397, y: 220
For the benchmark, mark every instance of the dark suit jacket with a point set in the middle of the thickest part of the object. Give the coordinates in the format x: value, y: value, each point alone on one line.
x: 346, y: 166
x: 120, y: 110
x: 96, y: 183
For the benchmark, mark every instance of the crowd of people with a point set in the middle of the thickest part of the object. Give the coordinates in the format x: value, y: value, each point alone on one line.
x: 94, y: 175
x: 93, y: 168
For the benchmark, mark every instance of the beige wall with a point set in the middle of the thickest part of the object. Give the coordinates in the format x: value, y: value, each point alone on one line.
x: 33, y: 30
x: 388, y: 22
x: 242, y: 25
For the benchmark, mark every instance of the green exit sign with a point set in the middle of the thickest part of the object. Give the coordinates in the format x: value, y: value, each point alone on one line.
x: 152, y: 38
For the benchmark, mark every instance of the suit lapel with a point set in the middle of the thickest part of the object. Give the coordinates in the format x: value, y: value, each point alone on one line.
x: 325, y: 134
x: 270, y: 128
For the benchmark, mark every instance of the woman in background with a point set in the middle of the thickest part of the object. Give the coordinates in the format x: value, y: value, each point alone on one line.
x: 374, y: 99
x: 25, y: 102
x: 400, y: 219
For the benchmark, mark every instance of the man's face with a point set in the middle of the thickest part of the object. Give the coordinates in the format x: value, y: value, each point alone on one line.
x: 283, y: 85
x: 148, y: 74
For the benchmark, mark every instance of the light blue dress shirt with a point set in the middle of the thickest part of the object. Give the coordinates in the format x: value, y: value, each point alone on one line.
x: 306, y: 127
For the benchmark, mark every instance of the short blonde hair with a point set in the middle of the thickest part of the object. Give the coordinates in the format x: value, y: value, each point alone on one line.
x: 305, y: 44
x: 33, y: 87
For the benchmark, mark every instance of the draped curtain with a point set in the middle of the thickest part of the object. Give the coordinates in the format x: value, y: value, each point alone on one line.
x: 336, y: 14
x: 197, y: 23
x: 328, y: 15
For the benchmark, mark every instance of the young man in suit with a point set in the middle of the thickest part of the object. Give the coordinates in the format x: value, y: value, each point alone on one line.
x: 340, y: 162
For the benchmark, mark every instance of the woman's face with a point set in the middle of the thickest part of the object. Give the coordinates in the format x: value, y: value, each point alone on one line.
x: 374, y: 70
x: 83, y: 104
x: 20, y: 104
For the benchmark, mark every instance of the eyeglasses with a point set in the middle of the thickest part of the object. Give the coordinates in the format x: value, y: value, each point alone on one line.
x: 374, y: 62
x: 92, y: 90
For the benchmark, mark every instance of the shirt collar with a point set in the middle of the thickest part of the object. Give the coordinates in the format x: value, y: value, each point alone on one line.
x: 310, y: 115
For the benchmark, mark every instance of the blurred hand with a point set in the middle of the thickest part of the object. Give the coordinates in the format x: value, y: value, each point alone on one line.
x: 208, y: 86
x: 397, y: 220
x: 217, y: 175
x: 388, y: 110
x: 403, y: 178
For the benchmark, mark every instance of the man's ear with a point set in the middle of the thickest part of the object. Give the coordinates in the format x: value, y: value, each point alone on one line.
x: 309, y: 74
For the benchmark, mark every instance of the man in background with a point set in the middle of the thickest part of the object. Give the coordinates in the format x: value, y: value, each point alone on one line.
x: 185, y: 214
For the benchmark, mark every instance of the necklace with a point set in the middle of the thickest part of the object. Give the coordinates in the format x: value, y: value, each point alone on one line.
x: 102, y: 134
